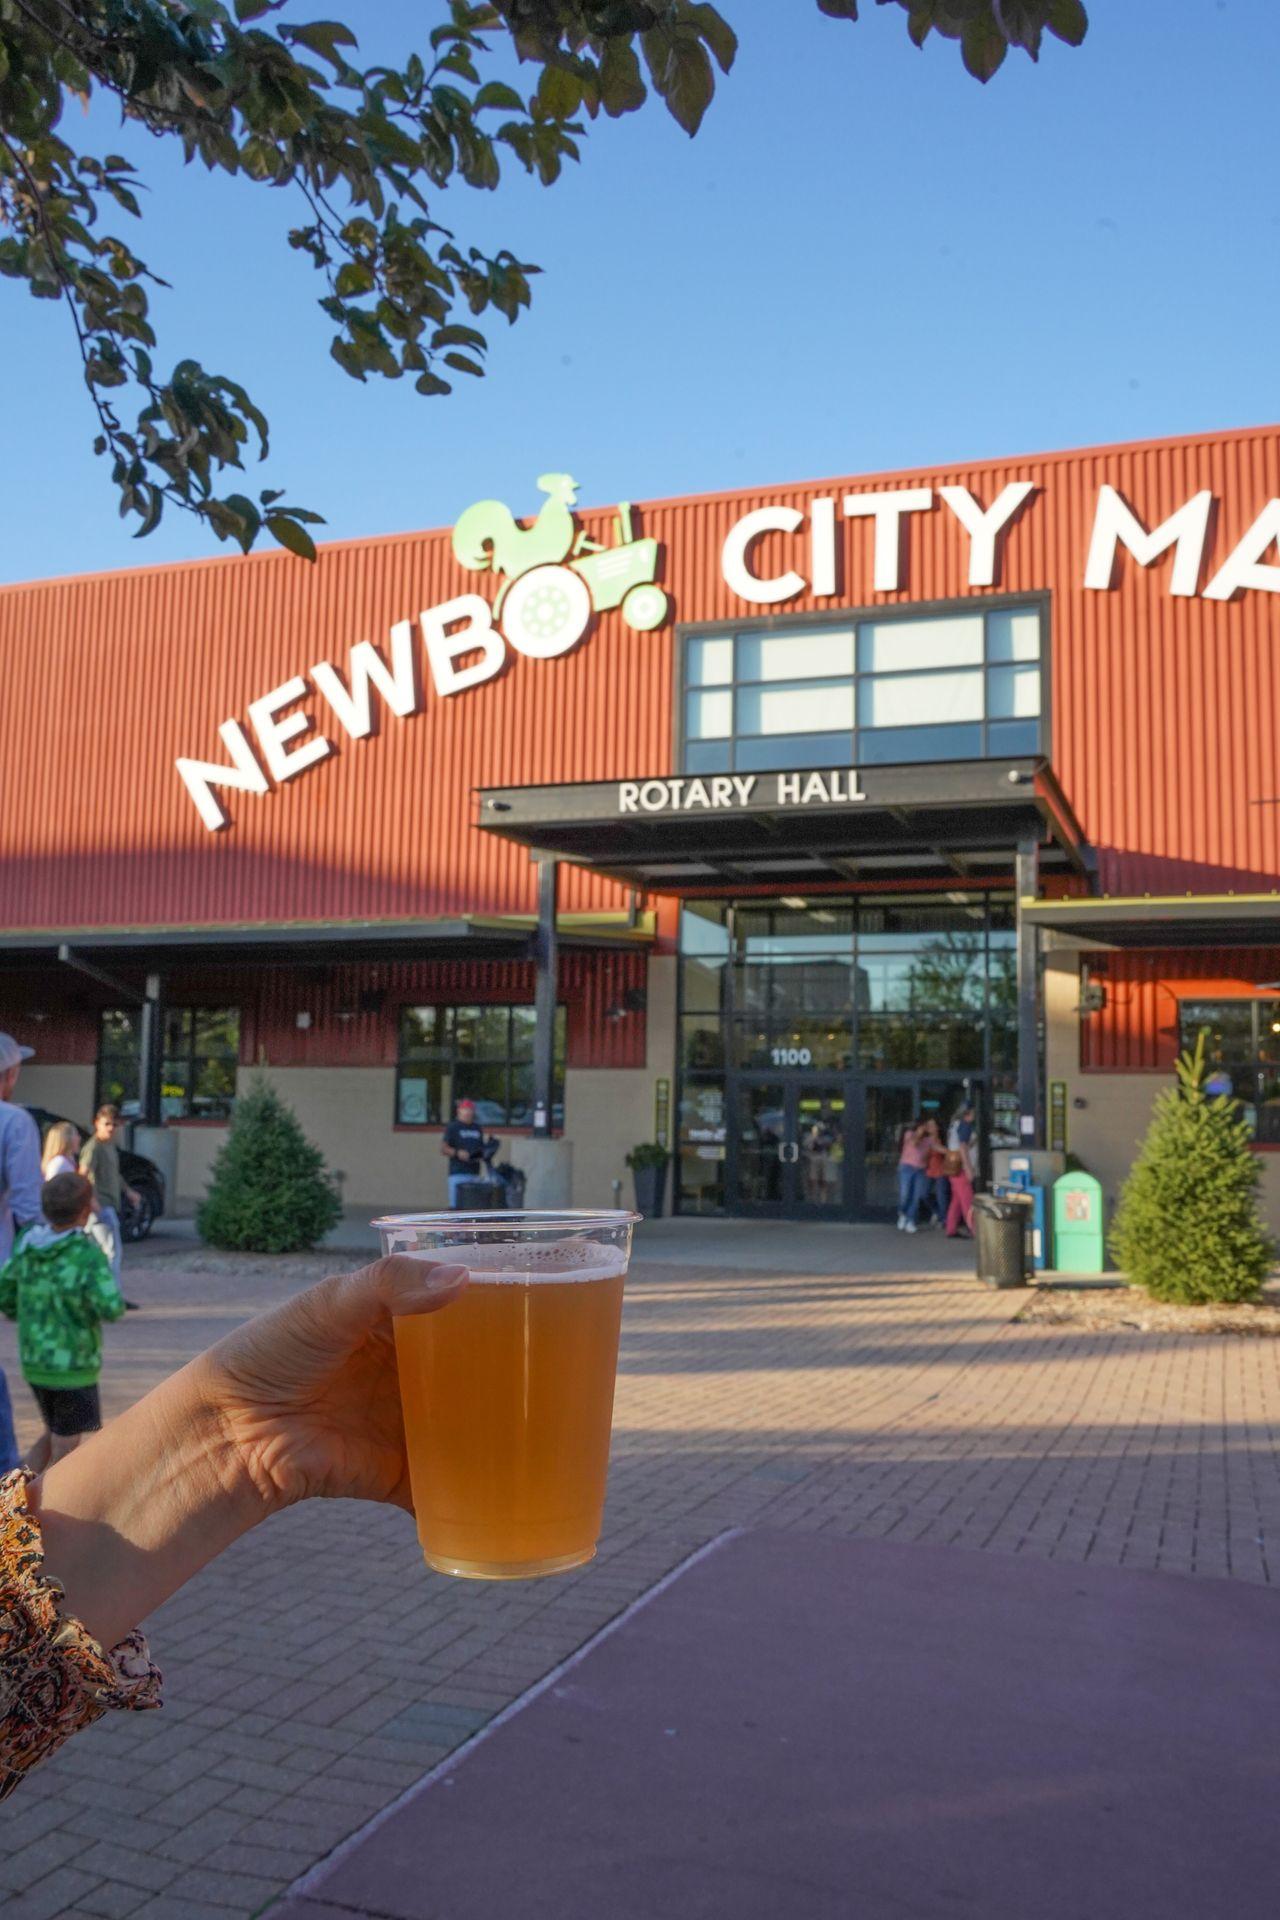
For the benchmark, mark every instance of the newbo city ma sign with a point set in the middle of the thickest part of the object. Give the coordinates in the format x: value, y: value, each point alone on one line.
x: 554, y: 579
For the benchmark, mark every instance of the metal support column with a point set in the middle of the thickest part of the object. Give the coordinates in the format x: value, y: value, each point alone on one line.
x: 544, y: 1000
x: 151, y: 1055
x: 1027, y: 887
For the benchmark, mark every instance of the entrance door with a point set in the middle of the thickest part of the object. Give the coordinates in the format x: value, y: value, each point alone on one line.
x: 790, y: 1141
x: 889, y: 1103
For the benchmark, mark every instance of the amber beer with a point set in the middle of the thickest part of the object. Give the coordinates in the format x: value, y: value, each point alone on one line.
x: 508, y: 1392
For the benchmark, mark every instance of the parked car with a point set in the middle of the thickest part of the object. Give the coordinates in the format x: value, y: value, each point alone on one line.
x: 136, y: 1171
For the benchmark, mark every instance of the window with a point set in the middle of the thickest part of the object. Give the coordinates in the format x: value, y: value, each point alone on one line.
x: 198, y: 1071
x: 952, y: 686
x: 480, y: 1053
x: 119, y: 1047
x: 1242, y: 1050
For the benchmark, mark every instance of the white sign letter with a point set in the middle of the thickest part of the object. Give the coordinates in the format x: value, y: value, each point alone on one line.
x: 397, y: 684
x: 1115, y: 522
x: 1243, y: 565
x: 822, y: 546
x: 985, y: 527
x: 200, y: 776
x: 887, y: 510
x: 476, y: 632
x: 274, y: 735
x: 733, y: 560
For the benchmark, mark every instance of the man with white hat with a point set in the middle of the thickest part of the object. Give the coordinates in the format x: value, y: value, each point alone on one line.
x: 19, y: 1195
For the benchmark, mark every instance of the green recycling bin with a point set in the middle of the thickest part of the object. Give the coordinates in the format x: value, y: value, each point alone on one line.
x: 1079, y: 1244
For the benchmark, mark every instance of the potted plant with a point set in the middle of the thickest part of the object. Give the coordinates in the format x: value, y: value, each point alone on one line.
x: 648, y: 1164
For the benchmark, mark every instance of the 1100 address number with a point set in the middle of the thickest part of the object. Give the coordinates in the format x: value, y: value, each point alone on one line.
x: 791, y: 1056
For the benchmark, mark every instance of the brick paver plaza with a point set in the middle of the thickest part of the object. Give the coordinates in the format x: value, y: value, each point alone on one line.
x: 317, y: 1670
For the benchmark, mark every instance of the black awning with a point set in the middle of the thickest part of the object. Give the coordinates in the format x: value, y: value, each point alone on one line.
x: 310, y: 943
x: 684, y: 833
x: 1155, y: 920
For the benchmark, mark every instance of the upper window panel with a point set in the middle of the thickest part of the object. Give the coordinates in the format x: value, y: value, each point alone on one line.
x: 958, y: 685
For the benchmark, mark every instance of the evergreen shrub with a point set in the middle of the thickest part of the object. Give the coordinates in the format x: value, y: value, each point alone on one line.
x: 269, y: 1191
x: 1187, y: 1228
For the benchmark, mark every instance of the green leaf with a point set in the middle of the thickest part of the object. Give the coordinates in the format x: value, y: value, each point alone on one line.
x: 1067, y: 20
x: 460, y: 364
x: 718, y: 34
x: 495, y: 93
x: 287, y: 533
x: 559, y: 94
x: 622, y: 90
x: 253, y: 9
x: 983, y: 47
x: 689, y: 84
x: 354, y: 278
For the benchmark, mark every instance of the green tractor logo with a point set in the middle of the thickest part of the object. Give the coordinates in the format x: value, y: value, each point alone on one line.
x: 555, y: 577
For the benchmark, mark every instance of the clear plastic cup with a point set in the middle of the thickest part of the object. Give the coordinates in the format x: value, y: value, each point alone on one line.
x: 508, y: 1392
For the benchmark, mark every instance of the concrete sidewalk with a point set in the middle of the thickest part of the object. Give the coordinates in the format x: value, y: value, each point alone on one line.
x: 800, y: 1725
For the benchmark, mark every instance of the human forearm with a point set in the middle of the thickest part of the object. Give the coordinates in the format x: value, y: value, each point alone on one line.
x: 137, y: 1509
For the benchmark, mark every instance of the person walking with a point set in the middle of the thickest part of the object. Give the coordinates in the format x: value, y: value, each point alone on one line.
x: 935, y: 1170
x: 913, y: 1158
x: 464, y: 1146
x: 960, y: 1170
x: 100, y: 1161
x: 19, y: 1197
x: 61, y: 1149
x: 59, y: 1287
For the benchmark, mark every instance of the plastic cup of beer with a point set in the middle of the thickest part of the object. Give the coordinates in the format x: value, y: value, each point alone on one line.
x: 508, y: 1391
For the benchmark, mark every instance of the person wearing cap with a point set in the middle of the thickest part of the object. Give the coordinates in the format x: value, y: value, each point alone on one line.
x: 464, y: 1146
x: 20, y: 1184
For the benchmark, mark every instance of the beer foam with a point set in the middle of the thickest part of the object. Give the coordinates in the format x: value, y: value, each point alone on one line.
x: 513, y: 1264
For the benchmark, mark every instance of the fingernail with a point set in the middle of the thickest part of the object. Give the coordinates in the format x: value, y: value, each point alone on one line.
x: 448, y: 1276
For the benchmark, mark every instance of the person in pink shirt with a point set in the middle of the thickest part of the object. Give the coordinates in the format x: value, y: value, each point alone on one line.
x: 913, y: 1181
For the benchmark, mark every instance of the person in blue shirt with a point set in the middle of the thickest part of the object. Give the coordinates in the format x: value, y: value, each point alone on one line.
x: 465, y: 1144
x: 20, y: 1184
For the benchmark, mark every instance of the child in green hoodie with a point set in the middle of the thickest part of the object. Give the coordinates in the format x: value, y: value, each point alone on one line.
x: 59, y: 1288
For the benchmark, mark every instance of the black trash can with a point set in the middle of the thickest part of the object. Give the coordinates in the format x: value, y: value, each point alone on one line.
x: 475, y: 1196
x: 512, y: 1190
x: 1004, y: 1249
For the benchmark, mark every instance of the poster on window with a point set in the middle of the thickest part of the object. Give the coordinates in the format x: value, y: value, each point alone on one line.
x: 413, y: 1109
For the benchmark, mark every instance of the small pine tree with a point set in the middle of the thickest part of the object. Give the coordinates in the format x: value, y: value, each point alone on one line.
x: 269, y: 1191
x: 1187, y: 1228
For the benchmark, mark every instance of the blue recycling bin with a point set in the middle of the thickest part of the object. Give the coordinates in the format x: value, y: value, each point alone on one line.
x: 1038, y: 1227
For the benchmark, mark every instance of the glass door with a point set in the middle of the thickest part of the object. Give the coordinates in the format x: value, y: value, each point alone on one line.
x: 886, y: 1110
x: 789, y: 1146
x: 888, y: 1104
x: 760, y: 1137
x: 820, y: 1172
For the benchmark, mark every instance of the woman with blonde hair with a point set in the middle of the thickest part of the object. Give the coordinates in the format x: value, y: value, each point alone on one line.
x: 61, y: 1146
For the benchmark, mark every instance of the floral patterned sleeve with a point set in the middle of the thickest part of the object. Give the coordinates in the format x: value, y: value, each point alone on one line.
x: 54, y: 1677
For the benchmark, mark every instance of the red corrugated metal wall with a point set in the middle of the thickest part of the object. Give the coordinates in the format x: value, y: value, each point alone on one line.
x: 602, y: 1030
x: 1137, y: 1030
x: 1164, y: 710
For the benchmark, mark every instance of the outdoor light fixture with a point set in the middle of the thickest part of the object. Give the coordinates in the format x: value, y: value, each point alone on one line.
x: 302, y: 1020
x: 793, y: 900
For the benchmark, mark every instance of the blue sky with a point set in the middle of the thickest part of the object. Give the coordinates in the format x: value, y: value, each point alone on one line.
x: 864, y: 260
